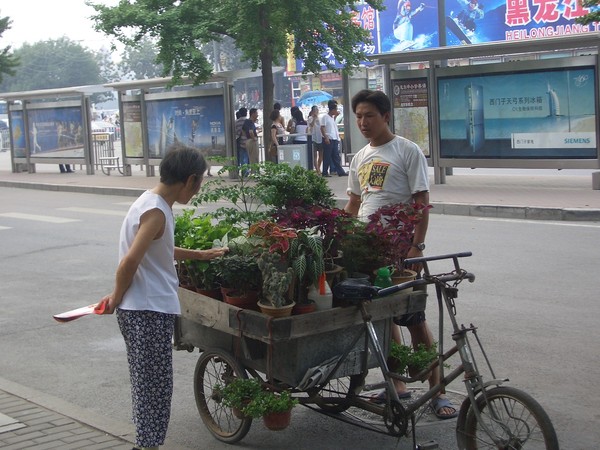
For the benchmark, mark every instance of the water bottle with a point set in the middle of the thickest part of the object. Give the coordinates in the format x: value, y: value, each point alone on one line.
x: 321, y: 294
x: 383, y: 278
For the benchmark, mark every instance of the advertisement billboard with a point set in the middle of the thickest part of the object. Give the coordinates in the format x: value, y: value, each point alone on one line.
x: 406, y: 25
x: 474, y: 21
x: 195, y: 121
x: 547, y: 113
x: 17, y: 129
x: 411, y: 111
x: 132, y: 129
x: 56, y: 132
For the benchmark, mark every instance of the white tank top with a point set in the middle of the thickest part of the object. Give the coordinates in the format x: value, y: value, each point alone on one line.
x: 154, y: 285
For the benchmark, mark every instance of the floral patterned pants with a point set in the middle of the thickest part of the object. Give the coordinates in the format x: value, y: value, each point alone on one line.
x: 147, y: 337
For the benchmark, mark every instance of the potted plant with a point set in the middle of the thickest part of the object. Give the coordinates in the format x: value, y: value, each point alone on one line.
x: 239, y: 393
x: 394, y: 226
x: 276, y: 281
x: 306, y: 260
x: 240, y: 279
x: 403, y: 359
x: 274, y: 407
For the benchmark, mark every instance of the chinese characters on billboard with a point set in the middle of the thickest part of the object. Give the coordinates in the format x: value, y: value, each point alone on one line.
x: 541, y: 114
x: 132, y: 129
x: 411, y: 116
x: 195, y: 121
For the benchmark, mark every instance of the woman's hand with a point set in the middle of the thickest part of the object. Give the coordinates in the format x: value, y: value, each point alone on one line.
x: 107, y: 305
x: 213, y: 253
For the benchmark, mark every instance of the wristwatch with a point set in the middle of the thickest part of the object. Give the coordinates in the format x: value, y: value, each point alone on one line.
x: 420, y: 246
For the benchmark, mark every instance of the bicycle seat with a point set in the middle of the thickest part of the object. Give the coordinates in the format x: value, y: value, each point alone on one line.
x: 353, y: 291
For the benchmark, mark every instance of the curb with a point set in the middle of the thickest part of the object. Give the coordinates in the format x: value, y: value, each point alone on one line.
x: 455, y: 209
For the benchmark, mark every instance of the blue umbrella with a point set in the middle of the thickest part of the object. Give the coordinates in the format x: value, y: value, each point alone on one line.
x: 313, y: 97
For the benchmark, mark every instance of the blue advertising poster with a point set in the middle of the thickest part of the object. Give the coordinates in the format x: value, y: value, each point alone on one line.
x: 406, y: 25
x: 17, y: 129
x: 195, y: 121
x: 365, y: 17
x: 474, y: 21
x: 541, y: 114
x: 56, y: 132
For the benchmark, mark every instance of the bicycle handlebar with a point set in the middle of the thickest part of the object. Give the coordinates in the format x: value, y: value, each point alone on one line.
x: 422, y: 259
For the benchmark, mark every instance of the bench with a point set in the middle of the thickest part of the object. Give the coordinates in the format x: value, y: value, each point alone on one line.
x: 109, y: 163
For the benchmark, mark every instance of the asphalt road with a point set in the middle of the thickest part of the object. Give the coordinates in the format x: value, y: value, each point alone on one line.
x: 534, y: 300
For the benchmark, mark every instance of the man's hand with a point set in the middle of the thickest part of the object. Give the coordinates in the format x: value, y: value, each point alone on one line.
x: 415, y: 253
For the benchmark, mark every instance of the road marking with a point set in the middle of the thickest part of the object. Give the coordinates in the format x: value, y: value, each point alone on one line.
x: 5, y: 228
x: 38, y: 218
x: 540, y: 222
x: 104, y: 212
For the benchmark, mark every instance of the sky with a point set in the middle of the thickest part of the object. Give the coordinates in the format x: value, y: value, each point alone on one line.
x: 39, y: 20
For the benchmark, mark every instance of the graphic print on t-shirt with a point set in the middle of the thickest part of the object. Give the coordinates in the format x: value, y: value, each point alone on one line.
x: 372, y: 175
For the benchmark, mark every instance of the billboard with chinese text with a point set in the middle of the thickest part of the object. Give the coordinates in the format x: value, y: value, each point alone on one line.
x: 411, y: 111
x: 132, y: 129
x: 195, y: 121
x: 548, y: 113
x: 474, y: 21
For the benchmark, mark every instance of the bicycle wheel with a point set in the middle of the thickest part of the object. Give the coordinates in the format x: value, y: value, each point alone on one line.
x: 343, y: 387
x: 214, y: 368
x: 511, y: 417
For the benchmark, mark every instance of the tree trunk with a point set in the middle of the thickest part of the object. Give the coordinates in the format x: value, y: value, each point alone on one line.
x: 266, y: 67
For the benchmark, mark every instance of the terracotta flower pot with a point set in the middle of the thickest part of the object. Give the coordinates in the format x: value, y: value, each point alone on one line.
x: 283, y: 311
x: 248, y: 300
x: 403, y: 276
x: 304, y: 308
x: 212, y: 293
x: 277, y: 421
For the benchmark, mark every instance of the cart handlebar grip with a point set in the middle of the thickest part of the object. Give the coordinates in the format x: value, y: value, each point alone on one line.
x: 399, y: 287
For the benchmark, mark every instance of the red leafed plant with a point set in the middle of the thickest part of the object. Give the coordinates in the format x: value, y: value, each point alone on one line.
x: 394, y: 226
x: 275, y: 236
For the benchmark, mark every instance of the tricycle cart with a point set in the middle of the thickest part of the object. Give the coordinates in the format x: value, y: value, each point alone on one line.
x: 324, y: 357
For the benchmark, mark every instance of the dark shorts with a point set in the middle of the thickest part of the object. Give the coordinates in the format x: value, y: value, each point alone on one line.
x: 408, y: 320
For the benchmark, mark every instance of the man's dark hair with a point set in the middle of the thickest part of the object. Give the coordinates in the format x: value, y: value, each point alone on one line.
x: 243, y: 112
x: 253, y: 110
x: 277, y: 106
x: 180, y: 163
x: 332, y: 104
x: 376, y: 98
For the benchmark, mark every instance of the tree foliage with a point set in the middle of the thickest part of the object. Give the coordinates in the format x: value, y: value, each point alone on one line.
x: 8, y: 62
x: 261, y: 30
x: 138, y: 61
x: 53, y: 64
x: 593, y: 16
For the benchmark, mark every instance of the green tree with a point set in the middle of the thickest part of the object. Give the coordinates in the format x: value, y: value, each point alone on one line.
x: 139, y: 61
x: 593, y: 16
x: 260, y: 29
x: 8, y: 62
x: 53, y: 64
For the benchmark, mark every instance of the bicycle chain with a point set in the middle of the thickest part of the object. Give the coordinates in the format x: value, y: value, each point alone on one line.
x: 395, y: 418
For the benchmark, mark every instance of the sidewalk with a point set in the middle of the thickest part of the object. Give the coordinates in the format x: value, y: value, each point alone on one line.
x: 503, y: 193
x: 33, y: 420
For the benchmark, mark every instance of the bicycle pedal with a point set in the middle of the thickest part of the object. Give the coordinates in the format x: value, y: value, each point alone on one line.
x: 431, y: 445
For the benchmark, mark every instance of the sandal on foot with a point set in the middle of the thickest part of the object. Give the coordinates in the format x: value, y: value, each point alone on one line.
x: 381, y: 396
x: 439, y: 403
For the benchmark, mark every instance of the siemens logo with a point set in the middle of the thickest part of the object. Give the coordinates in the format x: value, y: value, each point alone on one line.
x: 577, y: 141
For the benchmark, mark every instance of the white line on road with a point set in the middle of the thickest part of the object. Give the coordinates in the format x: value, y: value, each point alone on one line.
x: 5, y: 228
x: 541, y: 222
x: 38, y: 218
x: 104, y: 212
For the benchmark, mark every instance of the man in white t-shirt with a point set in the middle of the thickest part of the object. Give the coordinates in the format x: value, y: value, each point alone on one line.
x: 331, y: 142
x: 391, y: 169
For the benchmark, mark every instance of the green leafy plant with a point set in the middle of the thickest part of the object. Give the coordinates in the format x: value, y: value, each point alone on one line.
x: 403, y: 358
x: 306, y: 258
x: 269, y: 402
x: 282, y: 185
x: 239, y: 271
x: 239, y: 392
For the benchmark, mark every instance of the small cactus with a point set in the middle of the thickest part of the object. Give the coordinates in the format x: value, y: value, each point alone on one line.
x: 276, y: 278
